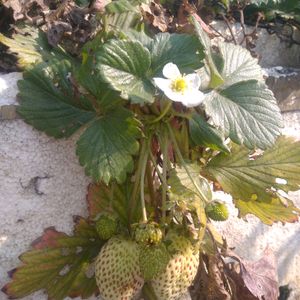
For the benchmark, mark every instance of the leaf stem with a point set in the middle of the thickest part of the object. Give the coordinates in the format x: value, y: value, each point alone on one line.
x: 177, y: 150
x: 142, y: 184
x: 164, y: 146
x: 137, y: 180
x: 148, y: 292
x: 150, y: 182
x: 164, y: 112
x: 182, y: 115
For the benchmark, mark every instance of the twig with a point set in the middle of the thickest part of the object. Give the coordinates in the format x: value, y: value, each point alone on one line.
x: 242, y: 21
x: 230, y: 29
x: 218, y: 32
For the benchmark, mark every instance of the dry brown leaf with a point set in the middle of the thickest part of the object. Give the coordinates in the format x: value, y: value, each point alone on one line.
x: 209, y: 283
x: 185, y: 11
x: 21, y: 8
x: 56, y: 31
x: 156, y: 15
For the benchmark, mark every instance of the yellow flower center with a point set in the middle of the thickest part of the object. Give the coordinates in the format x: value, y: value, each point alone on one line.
x: 179, y: 85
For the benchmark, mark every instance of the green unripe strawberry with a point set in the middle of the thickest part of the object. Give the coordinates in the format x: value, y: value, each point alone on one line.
x: 147, y: 233
x: 217, y: 211
x: 117, y: 270
x: 180, y: 271
x: 106, y: 226
x: 153, y: 260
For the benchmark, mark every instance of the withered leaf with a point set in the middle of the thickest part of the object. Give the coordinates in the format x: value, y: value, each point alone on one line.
x: 22, y: 7
x: 61, y: 264
x: 156, y: 15
x: 259, y: 277
x: 56, y: 32
x: 209, y: 283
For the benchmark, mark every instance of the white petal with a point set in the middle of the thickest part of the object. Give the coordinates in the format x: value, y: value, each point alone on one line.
x: 192, y: 98
x: 280, y: 181
x: 165, y: 86
x: 193, y: 80
x: 162, y: 83
x: 174, y: 96
x: 171, y: 71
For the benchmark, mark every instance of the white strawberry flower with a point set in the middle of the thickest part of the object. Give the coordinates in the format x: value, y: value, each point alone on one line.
x: 180, y: 88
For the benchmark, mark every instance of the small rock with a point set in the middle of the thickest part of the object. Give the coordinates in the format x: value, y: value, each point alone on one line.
x: 8, y: 112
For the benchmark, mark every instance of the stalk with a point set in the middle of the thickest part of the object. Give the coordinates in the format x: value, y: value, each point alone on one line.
x: 150, y: 182
x: 142, y: 184
x: 164, y: 145
x: 177, y: 150
x: 148, y: 292
x: 137, y: 179
x: 163, y: 113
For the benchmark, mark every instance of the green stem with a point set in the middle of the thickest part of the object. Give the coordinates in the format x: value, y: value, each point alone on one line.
x: 111, y: 195
x: 148, y: 292
x: 177, y: 150
x: 163, y: 113
x: 105, y: 24
x: 164, y: 145
x: 182, y: 115
x: 137, y: 179
x: 142, y: 185
x: 150, y: 183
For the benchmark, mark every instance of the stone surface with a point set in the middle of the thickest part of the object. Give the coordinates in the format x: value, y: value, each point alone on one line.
x: 285, y: 84
x: 8, y: 112
x: 271, y: 50
x: 8, y: 88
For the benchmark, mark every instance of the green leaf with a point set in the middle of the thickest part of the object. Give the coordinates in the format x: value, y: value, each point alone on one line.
x: 206, y: 135
x: 58, y: 263
x: 124, y: 65
x: 182, y: 188
x: 202, y: 35
x: 183, y: 50
x: 218, y: 60
x: 269, y: 213
x: 121, y: 6
x: 216, y: 79
x: 122, y: 22
x: 140, y: 36
x: 105, y: 149
x: 239, y: 65
x: 100, y: 92
x: 246, y: 177
x: 82, y: 2
x: 273, y: 9
x: 247, y: 112
x: 49, y: 102
x: 31, y: 46
x: 114, y: 198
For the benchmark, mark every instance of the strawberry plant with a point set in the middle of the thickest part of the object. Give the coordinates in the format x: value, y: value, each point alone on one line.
x: 163, y: 118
